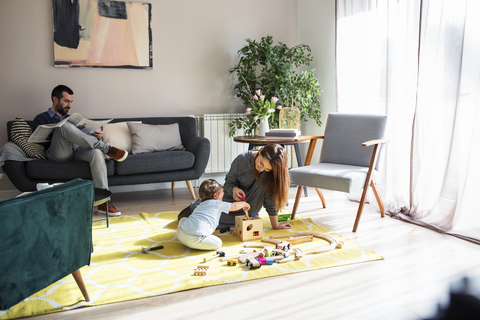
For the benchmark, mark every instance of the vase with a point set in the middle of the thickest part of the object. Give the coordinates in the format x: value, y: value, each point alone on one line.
x: 263, y: 127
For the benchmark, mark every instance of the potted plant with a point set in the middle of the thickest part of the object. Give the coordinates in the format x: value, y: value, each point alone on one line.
x: 273, y: 70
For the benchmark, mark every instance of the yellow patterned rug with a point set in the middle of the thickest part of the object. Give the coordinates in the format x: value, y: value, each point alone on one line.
x: 120, y: 272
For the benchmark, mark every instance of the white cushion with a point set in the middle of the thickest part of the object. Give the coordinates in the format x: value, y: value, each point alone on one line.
x: 150, y: 138
x: 118, y: 135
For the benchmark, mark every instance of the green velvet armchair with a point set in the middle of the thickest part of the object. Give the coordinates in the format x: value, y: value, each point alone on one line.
x: 44, y: 236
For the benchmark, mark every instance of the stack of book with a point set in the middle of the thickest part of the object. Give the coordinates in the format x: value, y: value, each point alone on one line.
x: 284, y: 134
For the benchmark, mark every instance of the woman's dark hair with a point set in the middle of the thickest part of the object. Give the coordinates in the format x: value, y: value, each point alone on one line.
x: 277, y: 181
x: 208, y: 188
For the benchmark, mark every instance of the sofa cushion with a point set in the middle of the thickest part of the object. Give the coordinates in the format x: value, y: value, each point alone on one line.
x: 118, y: 135
x: 150, y: 138
x: 21, y: 131
x: 159, y: 161
x: 63, y: 170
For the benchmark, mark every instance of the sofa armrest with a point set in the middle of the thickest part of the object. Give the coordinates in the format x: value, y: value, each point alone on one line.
x: 17, y: 174
x: 200, y: 147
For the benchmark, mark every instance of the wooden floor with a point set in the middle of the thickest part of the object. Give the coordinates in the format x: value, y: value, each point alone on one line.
x: 413, y: 279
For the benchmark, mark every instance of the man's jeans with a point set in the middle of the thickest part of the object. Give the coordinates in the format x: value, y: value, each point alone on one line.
x: 70, y: 143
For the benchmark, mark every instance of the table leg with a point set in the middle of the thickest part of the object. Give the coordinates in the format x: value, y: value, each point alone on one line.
x: 107, y: 213
x: 299, y: 162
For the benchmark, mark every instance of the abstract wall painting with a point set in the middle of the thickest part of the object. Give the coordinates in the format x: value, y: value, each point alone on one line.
x: 106, y: 34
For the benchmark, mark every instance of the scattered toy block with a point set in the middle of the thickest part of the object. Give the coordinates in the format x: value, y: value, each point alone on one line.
x: 298, y: 240
x: 199, y: 273
x: 284, y: 217
x: 203, y: 266
x: 201, y: 270
x: 270, y: 240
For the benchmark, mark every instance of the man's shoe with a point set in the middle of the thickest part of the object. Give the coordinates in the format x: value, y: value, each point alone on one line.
x: 112, y: 211
x: 117, y: 154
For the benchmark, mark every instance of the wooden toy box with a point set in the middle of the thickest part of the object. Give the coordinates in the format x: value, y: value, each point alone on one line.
x: 248, y: 229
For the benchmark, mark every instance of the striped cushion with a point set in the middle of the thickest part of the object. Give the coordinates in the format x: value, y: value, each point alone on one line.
x: 21, y: 131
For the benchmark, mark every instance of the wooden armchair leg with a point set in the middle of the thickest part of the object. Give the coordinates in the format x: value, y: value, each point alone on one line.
x: 190, y: 188
x: 77, y: 275
x: 379, y: 199
x: 173, y: 185
x: 297, y: 200
x: 368, y: 181
x: 360, y: 209
x: 322, y: 198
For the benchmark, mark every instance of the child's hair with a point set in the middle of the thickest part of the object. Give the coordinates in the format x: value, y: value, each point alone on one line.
x: 208, y: 188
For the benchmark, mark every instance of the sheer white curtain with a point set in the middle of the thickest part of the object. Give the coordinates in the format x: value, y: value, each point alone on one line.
x: 417, y: 62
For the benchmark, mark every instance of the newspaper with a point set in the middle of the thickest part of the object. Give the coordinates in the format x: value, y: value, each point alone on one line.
x: 44, y: 132
x: 87, y: 125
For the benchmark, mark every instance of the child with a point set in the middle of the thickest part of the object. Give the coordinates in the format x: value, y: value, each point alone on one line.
x: 195, y: 231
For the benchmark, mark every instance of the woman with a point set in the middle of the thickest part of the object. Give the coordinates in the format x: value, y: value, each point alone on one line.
x: 262, y: 178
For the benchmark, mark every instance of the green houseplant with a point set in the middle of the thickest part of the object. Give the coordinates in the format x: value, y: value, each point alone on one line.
x: 273, y: 70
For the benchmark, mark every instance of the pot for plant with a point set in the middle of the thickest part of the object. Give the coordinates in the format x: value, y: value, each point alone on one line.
x: 263, y: 127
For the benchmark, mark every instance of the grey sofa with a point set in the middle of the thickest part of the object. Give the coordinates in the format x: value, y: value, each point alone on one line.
x: 144, y: 168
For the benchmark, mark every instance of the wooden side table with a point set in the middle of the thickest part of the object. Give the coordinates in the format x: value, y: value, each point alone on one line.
x: 262, y: 141
x: 102, y: 196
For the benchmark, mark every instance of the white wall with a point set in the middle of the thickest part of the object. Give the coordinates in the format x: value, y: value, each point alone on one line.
x: 195, y: 43
x: 316, y: 27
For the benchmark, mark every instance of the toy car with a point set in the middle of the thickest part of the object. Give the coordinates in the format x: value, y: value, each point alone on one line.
x: 232, y: 262
x: 253, y: 263
x: 284, y: 245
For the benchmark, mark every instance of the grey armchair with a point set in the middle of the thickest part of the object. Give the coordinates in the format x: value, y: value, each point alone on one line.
x: 348, y: 160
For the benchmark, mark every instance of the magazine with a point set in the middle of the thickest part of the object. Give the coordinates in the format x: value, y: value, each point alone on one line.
x: 282, y: 134
x: 44, y: 132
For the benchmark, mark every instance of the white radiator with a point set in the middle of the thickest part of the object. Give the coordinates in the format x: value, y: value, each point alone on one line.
x: 223, y: 150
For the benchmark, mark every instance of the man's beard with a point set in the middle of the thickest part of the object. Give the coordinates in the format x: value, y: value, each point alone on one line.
x: 61, y: 110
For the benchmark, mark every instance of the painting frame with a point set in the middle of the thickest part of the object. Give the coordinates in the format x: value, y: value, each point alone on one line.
x: 102, y: 34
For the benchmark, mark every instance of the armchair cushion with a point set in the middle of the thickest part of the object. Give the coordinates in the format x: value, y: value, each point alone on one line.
x: 330, y: 176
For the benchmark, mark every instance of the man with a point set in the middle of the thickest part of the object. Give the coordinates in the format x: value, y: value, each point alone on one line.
x: 70, y: 143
